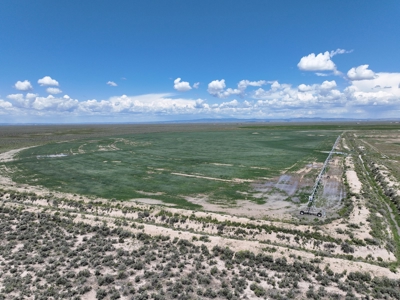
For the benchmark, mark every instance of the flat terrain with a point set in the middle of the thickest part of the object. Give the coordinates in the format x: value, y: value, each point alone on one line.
x: 180, y: 168
x: 199, y: 212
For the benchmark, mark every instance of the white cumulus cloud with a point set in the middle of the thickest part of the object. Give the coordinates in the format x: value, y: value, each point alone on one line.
x: 47, y: 80
x: 111, y: 83
x: 319, y: 62
x: 149, y: 103
x: 360, y: 73
x: 51, y: 103
x: 5, y: 104
x: 380, y: 90
x: 328, y: 85
x: 216, y: 86
x: 243, y: 84
x: 20, y: 100
x: 196, y: 85
x: 181, y: 86
x: 23, y: 85
x: 200, y: 103
x: 321, y: 88
x: 53, y: 91
x: 284, y: 96
x: 304, y: 88
x: 231, y: 104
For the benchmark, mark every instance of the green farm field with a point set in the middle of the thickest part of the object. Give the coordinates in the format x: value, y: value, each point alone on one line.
x: 169, y: 166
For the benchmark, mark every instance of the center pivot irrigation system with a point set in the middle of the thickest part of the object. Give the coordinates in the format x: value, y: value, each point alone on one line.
x: 311, y: 209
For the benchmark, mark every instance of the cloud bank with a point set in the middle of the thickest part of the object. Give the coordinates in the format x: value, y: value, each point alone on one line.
x: 269, y: 100
x: 363, y: 93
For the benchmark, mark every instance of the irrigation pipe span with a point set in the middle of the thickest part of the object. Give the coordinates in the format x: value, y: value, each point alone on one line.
x: 318, y: 180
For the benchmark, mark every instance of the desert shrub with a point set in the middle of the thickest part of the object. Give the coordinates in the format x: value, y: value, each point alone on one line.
x: 240, y: 256
x: 84, y: 289
x: 122, y: 275
x: 258, y: 290
x: 204, y: 238
x: 186, y: 243
x: 214, y: 270
x: 311, y: 293
x: 204, y: 250
x: 114, y: 294
x: 370, y: 241
x: 329, y: 271
x: 224, y: 253
x: 225, y: 292
x: 209, y: 293
x: 138, y: 265
x: 358, y: 242
x: 105, y: 280
x: 322, y: 292
x: 353, y: 225
x: 329, y: 246
x: 101, y: 294
x: 346, y: 248
x: 84, y: 273
x: 359, y: 276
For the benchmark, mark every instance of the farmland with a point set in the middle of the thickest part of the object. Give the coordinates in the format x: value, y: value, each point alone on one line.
x: 171, y: 166
x: 199, y: 212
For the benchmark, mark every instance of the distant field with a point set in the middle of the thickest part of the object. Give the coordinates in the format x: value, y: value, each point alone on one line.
x: 154, y: 165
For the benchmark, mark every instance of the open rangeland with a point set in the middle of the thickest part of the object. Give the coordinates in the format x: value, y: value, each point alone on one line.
x: 198, y: 212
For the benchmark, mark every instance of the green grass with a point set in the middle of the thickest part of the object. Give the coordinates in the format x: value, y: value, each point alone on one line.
x: 144, y: 162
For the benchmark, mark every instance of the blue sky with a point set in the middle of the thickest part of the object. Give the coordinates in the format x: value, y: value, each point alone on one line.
x: 138, y: 61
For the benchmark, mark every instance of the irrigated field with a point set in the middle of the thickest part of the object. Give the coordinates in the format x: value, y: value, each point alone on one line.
x: 222, y: 165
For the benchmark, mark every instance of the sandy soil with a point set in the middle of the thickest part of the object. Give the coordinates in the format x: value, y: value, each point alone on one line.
x: 238, y: 180
x: 276, y: 208
x: 352, y: 178
x: 345, y: 145
x: 9, y: 155
x: 151, y: 201
x: 150, y: 194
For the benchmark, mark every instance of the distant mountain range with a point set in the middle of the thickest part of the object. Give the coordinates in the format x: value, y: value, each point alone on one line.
x: 228, y: 120
x: 235, y: 120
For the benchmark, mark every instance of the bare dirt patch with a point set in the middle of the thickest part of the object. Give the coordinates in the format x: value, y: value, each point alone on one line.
x: 213, y: 178
x: 352, y: 178
x: 152, y: 201
x: 9, y: 155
